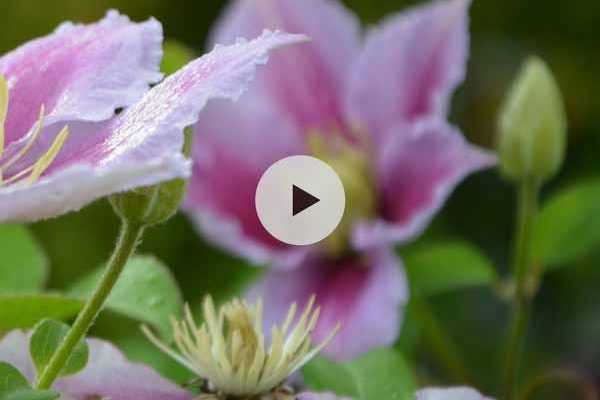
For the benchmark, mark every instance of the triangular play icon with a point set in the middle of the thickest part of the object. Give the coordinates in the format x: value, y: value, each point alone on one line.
x: 301, y: 200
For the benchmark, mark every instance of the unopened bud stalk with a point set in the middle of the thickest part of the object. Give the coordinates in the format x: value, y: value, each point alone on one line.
x: 155, y: 204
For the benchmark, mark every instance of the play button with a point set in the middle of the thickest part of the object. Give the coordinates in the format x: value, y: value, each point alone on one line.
x: 300, y: 200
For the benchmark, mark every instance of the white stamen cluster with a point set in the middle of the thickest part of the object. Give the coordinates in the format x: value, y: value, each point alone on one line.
x: 229, y: 348
x: 32, y: 173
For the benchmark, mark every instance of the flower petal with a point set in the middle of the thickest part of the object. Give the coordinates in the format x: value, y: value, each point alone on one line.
x: 74, y: 187
x: 142, y: 146
x: 410, y: 67
x: 418, y: 169
x: 81, y: 72
x: 234, y: 145
x: 14, y: 349
x: 455, y: 393
x: 366, y: 296
x: 307, y: 82
x: 107, y: 374
x: 320, y: 396
x: 110, y: 375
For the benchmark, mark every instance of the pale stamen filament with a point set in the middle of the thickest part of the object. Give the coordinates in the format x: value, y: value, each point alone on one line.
x: 44, y: 162
x: 230, y: 351
x: 41, y: 165
x: 34, y: 135
x: 3, y: 110
x: 17, y: 176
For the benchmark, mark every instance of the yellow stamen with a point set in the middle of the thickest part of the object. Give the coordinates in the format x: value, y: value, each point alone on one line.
x: 36, y: 132
x: 351, y: 162
x: 44, y: 162
x: 3, y: 110
x: 17, y: 176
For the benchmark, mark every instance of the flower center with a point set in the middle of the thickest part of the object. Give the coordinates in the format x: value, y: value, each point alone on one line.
x: 351, y: 162
x: 32, y: 173
x: 230, y: 351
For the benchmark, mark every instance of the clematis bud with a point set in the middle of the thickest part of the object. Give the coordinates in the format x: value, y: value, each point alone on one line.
x: 156, y: 204
x: 150, y: 205
x: 532, y: 125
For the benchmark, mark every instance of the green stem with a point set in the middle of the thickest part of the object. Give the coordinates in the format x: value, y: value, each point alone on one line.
x: 441, y: 344
x: 126, y: 244
x: 522, y: 270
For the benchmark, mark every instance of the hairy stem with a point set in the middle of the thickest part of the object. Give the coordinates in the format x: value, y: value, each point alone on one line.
x: 126, y: 244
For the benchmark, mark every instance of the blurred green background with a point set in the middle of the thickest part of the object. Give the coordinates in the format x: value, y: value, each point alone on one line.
x: 566, y: 324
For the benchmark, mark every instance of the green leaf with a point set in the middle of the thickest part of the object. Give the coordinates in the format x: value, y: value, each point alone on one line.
x: 435, y: 268
x: 24, y: 311
x: 381, y: 374
x: 176, y: 55
x: 23, y: 265
x: 11, y: 380
x: 567, y: 227
x: 14, y: 386
x: 31, y: 394
x: 323, y: 375
x: 146, y: 291
x: 46, y: 337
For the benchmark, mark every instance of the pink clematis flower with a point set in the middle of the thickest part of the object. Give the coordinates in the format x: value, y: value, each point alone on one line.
x: 61, y: 145
x: 375, y: 110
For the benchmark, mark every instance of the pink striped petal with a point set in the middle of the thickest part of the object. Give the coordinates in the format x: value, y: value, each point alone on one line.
x: 307, y: 82
x: 142, y: 146
x: 81, y: 72
x: 108, y: 373
x: 320, y: 396
x: 235, y: 144
x: 455, y: 393
x: 365, y: 295
x: 417, y: 171
x: 410, y: 66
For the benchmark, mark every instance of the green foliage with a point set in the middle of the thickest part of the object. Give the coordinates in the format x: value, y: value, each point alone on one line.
x: 568, y: 226
x: 14, y: 386
x: 176, y: 55
x: 23, y: 266
x: 24, y: 311
x: 47, y: 336
x: 146, y: 291
x: 439, y: 267
x: 31, y: 394
x: 381, y: 374
x: 11, y: 379
x: 324, y: 375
